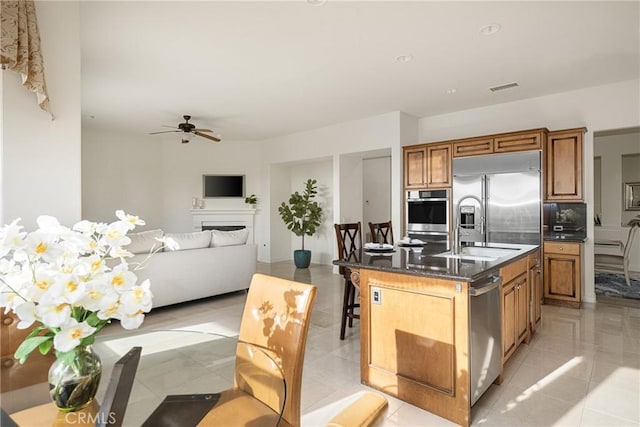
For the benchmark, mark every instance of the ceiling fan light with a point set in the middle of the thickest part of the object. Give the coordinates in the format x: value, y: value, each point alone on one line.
x: 186, y: 137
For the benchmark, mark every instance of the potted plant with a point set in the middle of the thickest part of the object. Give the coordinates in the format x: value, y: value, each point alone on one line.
x: 302, y: 216
x: 251, y: 200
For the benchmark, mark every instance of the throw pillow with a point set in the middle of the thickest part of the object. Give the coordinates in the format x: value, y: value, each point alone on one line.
x: 195, y: 240
x: 143, y: 241
x: 229, y: 238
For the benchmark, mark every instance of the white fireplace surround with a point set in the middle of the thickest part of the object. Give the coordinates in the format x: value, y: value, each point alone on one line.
x: 224, y: 217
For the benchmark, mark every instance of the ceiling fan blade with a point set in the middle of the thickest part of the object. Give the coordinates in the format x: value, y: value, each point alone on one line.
x: 204, y: 135
x: 202, y: 130
x: 165, y: 126
x: 164, y: 131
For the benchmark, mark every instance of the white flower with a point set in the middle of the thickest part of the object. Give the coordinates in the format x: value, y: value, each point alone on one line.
x: 168, y: 243
x: 121, y: 279
x: 26, y: 312
x: 53, y: 313
x: 70, y: 335
x: 11, y: 238
x: 57, y: 277
x: 43, y: 246
x: 116, y: 234
x: 130, y: 220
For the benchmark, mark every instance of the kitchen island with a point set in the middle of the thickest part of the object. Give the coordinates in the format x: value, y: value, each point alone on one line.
x: 432, y: 322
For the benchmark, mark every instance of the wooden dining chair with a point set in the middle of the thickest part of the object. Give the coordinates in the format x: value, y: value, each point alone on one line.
x: 273, y: 329
x: 381, y: 232
x: 349, y: 239
x: 109, y: 413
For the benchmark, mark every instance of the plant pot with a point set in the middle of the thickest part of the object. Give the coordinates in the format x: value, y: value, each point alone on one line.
x: 302, y: 258
x: 73, y: 383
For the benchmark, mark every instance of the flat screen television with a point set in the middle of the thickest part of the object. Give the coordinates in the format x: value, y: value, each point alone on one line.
x: 222, y: 186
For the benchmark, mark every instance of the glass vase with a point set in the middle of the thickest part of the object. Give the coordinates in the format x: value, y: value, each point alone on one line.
x: 73, y: 382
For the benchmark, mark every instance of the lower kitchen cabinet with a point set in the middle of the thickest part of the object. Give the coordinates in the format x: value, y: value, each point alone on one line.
x: 515, y: 307
x: 562, y: 278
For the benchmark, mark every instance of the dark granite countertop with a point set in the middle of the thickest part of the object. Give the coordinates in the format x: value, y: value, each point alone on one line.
x: 421, y: 261
x: 565, y: 238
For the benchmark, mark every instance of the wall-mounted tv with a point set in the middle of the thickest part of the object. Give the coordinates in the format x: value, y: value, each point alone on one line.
x: 222, y: 186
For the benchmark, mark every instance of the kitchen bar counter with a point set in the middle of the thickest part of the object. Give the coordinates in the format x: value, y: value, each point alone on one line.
x: 421, y: 261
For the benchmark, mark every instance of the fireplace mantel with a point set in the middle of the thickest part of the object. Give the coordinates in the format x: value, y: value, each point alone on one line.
x: 224, y: 217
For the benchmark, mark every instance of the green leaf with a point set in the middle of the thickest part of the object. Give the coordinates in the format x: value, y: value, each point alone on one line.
x: 45, y: 347
x: 66, y: 357
x: 28, y: 345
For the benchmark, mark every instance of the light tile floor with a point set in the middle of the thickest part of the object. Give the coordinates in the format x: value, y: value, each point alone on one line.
x: 582, y: 367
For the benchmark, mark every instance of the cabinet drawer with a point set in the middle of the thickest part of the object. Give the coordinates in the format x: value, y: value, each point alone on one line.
x: 562, y: 248
x: 534, y: 259
x: 473, y: 147
x: 521, y: 142
x: 512, y: 270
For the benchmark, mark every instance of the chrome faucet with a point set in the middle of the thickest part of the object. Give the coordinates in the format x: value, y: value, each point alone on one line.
x: 455, y: 247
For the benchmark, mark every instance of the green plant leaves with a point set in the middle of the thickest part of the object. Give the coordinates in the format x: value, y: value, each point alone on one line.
x: 30, y: 344
x: 302, y: 215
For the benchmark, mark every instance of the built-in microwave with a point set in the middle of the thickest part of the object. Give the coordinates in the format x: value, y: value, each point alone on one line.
x: 427, y: 214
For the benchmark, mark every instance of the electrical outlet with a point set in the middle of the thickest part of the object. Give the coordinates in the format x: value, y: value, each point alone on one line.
x: 376, y: 296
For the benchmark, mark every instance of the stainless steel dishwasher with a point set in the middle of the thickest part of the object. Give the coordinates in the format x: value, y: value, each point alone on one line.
x: 485, y: 327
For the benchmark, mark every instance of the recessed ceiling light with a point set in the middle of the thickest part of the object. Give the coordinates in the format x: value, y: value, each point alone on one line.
x: 487, y: 30
x: 451, y: 91
x: 316, y: 2
x: 404, y: 58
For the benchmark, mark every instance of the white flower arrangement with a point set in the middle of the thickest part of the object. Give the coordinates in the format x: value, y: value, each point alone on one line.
x: 59, y: 279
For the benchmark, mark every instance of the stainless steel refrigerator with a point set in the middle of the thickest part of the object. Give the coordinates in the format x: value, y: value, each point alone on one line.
x: 497, y: 198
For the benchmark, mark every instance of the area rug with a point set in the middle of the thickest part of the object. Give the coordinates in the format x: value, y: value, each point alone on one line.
x: 614, y: 285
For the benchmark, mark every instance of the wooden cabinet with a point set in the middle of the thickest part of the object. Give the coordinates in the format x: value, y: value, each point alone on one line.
x: 415, y: 167
x: 439, y: 174
x: 562, y: 277
x: 472, y: 147
x: 427, y: 166
x: 515, y: 306
x: 535, y: 288
x: 563, y: 165
x: 500, y: 143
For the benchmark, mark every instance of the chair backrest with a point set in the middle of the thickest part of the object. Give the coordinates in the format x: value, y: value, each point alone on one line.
x: 349, y: 238
x: 381, y: 232
x: 116, y: 397
x: 276, y: 318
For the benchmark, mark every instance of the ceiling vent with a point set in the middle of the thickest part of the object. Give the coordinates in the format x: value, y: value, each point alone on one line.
x: 503, y: 87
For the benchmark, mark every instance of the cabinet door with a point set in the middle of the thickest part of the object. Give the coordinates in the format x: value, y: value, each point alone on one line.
x: 563, y: 166
x: 438, y: 165
x: 562, y: 277
x: 415, y: 167
x: 518, y: 142
x: 522, y: 314
x: 472, y: 147
x: 508, y: 319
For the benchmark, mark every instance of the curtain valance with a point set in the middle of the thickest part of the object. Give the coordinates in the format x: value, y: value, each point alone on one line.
x: 20, y: 46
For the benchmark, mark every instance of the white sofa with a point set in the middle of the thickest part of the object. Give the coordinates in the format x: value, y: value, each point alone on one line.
x: 196, y: 270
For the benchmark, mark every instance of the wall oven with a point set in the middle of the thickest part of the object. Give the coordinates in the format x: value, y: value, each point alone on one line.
x: 427, y: 214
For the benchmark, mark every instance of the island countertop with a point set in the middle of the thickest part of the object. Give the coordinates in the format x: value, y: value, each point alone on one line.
x: 422, y: 261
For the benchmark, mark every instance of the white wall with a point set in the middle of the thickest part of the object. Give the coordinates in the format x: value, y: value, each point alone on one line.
x: 41, y: 166
x: 121, y: 172
x: 343, y: 142
x: 376, y: 192
x: 599, y: 108
x: 610, y: 149
x: 156, y: 178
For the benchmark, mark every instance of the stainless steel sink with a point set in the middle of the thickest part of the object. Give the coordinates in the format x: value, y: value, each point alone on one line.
x: 478, y: 253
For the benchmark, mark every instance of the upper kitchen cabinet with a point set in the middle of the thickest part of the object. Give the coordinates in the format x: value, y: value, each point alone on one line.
x: 563, y: 165
x: 500, y: 143
x: 427, y: 166
x: 415, y: 167
x: 439, y: 165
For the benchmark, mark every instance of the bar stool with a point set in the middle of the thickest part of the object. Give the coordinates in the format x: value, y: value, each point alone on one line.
x: 381, y: 232
x: 349, y: 238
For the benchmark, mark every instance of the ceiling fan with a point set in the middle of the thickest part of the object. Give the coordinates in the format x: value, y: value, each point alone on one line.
x: 188, y: 129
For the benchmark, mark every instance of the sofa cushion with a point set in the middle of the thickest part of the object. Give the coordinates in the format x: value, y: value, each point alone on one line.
x: 195, y: 240
x: 229, y: 238
x: 143, y: 241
